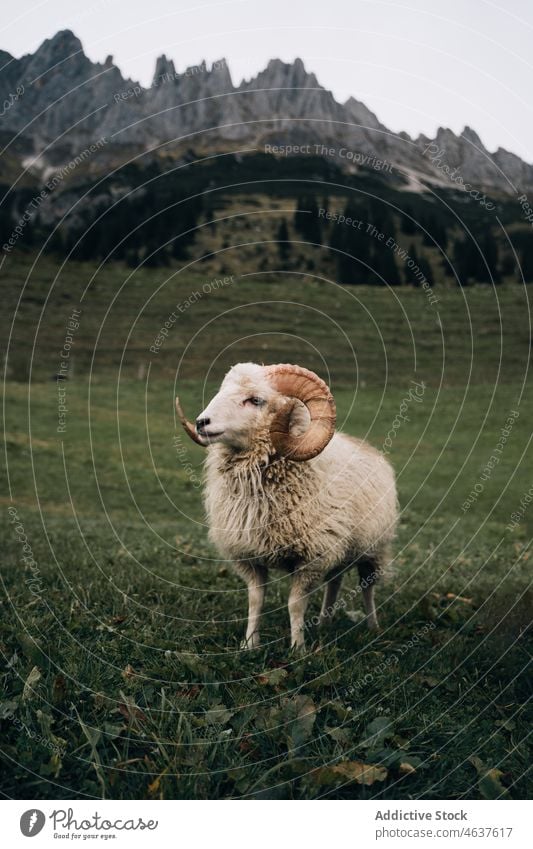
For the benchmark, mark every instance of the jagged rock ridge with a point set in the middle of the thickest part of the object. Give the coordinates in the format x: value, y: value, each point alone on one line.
x: 69, y: 102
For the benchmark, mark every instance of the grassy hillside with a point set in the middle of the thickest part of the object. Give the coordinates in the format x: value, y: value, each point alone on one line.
x: 359, y: 335
x: 122, y: 671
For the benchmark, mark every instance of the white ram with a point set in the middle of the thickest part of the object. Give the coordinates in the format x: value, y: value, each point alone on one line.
x: 284, y: 490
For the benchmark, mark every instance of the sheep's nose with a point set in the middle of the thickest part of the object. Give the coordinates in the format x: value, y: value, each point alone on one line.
x: 201, y: 423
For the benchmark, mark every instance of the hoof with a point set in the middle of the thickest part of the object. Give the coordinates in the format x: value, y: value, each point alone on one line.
x: 252, y: 642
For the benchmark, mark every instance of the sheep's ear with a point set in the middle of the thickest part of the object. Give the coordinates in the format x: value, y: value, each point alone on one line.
x: 300, y: 419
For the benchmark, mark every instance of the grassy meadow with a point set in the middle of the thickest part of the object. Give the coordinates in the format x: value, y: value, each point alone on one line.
x: 121, y: 670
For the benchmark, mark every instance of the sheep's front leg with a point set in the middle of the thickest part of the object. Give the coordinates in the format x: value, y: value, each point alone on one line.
x: 331, y: 592
x: 301, y: 588
x: 256, y: 578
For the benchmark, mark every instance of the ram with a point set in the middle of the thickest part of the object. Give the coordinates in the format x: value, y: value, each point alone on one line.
x: 285, y: 490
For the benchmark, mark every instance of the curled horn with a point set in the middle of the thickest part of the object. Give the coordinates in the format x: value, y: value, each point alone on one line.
x: 306, y: 386
x: 188, y: 427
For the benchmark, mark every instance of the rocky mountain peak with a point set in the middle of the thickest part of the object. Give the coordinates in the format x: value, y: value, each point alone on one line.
x: 62, y: 45
x: 284, y: 102
x: 361, y: 114
x: 60, y: 55
x: 165, y: 71
x: 444, y: 135
x: 472, y: 137
x: 279, y: 74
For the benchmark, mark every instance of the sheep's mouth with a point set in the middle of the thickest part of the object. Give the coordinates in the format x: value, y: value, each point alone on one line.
x: 204, y: 434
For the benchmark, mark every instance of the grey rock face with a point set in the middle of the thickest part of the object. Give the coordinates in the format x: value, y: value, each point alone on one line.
x: 67, y: 102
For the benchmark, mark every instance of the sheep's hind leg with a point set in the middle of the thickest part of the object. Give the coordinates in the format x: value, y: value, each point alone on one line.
x: 256, y: 578
x: 368, y: 575
x: 331, y: 591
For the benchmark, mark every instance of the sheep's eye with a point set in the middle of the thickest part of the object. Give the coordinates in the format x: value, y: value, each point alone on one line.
x: 256, y: 402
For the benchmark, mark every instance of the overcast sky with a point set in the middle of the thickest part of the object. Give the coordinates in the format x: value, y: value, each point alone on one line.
x: 418, y: 64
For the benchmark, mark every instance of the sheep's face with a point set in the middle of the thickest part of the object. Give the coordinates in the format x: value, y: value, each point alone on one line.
x: 285, y: 409
x: 244, y: 407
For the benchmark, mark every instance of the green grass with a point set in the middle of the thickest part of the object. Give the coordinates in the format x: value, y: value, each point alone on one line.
x: 360, y: 335
x: 124, y: 662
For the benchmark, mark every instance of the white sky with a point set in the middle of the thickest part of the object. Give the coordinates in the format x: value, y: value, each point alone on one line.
x: 417, y: 64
